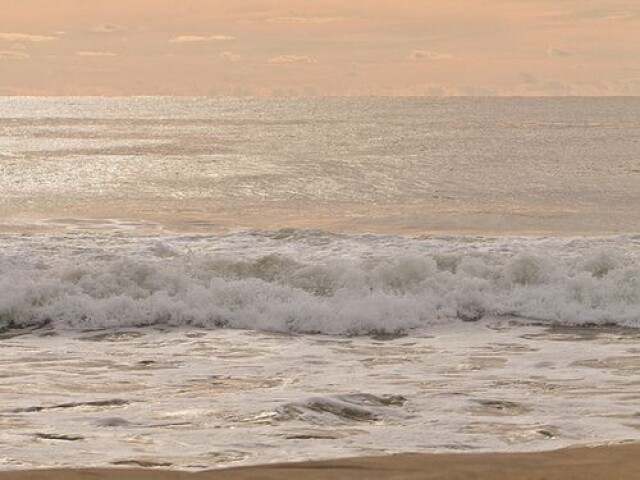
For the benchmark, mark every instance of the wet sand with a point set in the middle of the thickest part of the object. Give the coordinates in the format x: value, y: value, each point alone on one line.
x: 594, y: 463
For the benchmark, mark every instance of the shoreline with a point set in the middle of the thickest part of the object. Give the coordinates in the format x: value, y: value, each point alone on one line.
x: 607, y: 462
x: 144, y: 227
x: 350, y: 219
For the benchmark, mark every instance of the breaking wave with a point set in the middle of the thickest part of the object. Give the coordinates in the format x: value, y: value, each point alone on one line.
x: 389, y: 287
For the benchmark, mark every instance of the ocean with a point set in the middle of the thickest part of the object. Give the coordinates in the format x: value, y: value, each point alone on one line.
x: 204, y: 282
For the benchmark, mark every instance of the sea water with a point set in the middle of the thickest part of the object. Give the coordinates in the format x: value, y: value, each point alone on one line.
x: 195, y: 283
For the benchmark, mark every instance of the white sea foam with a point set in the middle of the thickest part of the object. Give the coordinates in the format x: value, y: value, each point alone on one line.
x: 315, y: 282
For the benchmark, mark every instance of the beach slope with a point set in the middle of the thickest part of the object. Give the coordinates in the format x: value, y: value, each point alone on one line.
x: 598, y: 463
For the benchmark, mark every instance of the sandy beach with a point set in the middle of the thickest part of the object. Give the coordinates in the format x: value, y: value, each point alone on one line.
x: 606, y: 462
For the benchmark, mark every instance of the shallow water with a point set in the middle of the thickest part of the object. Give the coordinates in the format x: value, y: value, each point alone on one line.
x: 194, y: 399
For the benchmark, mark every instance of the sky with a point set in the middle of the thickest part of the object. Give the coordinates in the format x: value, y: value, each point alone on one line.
x: 320, y: 47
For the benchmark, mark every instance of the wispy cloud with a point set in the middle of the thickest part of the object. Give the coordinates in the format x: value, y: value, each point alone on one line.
x: 107, y: 28
x: 559, y: 53
x: 200, y: 38
x: 527, y: 78
x: 290, y: 59
x: 18, y: 46
x: 591, y: 15
x: 13, y: 55
x: 304, y: 20
x: 231, y: 57
x: 92, y: 53
x: 418, y: 55
x: 25, y: 37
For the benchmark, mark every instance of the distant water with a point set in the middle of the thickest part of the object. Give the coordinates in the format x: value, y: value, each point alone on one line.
x: 522, y: 166
x: 201, y: 282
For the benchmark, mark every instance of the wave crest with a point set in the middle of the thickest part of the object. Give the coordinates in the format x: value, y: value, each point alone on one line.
x: 341, y: 295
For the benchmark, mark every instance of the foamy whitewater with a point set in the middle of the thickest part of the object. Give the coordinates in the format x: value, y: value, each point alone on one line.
x: 311, y: 281
x: 195, y: 283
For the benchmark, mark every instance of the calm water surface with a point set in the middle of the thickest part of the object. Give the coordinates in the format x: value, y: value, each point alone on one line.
x: 564, y: 166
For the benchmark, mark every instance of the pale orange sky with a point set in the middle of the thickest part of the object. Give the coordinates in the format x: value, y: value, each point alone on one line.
x: 328, y: 47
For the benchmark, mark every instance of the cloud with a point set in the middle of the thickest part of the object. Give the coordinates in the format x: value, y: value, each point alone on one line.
x: 420, y: 55
x: 231, y: 57
x: 91, y: 53
x: 25, y: 37
x: 200, y: 38
x: 553, y: 88
x: 107, y: 28
x: 527, y: 78
x: 13, y: 55
x: 559, y: 53
x: 289, y: 59
x: 591, y: 15
x: 619, y: 15
x: 304, y: 20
